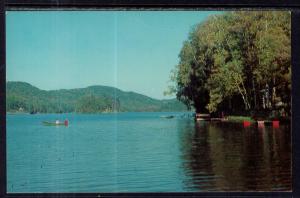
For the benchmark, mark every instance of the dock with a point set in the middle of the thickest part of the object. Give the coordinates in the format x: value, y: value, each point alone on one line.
x: 200, y: 117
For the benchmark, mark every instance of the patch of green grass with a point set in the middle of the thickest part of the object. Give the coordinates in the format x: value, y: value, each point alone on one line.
x: 240, y: 118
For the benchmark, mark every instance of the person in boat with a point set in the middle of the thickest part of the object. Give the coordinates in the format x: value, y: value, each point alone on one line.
x: 66, y: 122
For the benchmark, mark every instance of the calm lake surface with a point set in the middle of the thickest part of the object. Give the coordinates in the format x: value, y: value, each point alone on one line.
x: 142, y: 152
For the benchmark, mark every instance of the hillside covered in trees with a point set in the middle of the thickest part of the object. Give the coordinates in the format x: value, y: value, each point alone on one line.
x: 21, y: 96
x: 238, y: 62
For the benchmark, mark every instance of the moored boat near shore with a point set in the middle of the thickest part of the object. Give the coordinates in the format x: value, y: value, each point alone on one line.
x: 168, y: 116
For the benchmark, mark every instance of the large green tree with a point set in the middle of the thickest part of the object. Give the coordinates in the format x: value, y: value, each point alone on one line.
x: 236, y: 56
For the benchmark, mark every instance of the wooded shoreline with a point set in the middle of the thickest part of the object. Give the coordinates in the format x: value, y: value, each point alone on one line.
x: 239, y: 63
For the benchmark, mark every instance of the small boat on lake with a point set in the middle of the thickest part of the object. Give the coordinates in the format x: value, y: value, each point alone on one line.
x: 57, y: 123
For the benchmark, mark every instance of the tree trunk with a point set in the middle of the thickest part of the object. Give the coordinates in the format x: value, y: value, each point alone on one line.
x: 274, y: 93
x: 243, y: 94
x: 254, y: 93
x: 229, y: 104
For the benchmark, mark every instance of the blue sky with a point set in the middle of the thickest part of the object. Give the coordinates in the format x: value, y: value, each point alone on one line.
x: 130, y: 50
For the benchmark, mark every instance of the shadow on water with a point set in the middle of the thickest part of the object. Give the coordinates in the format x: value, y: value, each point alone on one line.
x: 227, y: 157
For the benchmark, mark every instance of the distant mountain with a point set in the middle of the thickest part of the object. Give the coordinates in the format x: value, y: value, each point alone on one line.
x: 22, y: 96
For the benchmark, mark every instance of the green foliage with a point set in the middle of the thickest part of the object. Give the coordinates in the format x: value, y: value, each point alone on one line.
x: 240, y: 118
x: 94, y: 104
x: 24, y: 97
x: 235, y: 56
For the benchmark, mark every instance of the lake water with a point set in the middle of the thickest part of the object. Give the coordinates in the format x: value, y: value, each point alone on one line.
x: 142, y: 152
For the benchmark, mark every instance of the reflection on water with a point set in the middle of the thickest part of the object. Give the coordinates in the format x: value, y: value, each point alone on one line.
x: 228, y: 157
x: 142, y: 152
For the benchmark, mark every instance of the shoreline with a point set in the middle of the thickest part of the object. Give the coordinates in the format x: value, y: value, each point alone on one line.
x: 81, y: 113
x: 229, y: 118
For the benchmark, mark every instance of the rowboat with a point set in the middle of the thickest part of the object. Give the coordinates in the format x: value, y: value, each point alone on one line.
x: 53, y: 123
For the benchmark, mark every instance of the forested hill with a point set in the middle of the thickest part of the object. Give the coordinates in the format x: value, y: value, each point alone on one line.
x: 21, y: 96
